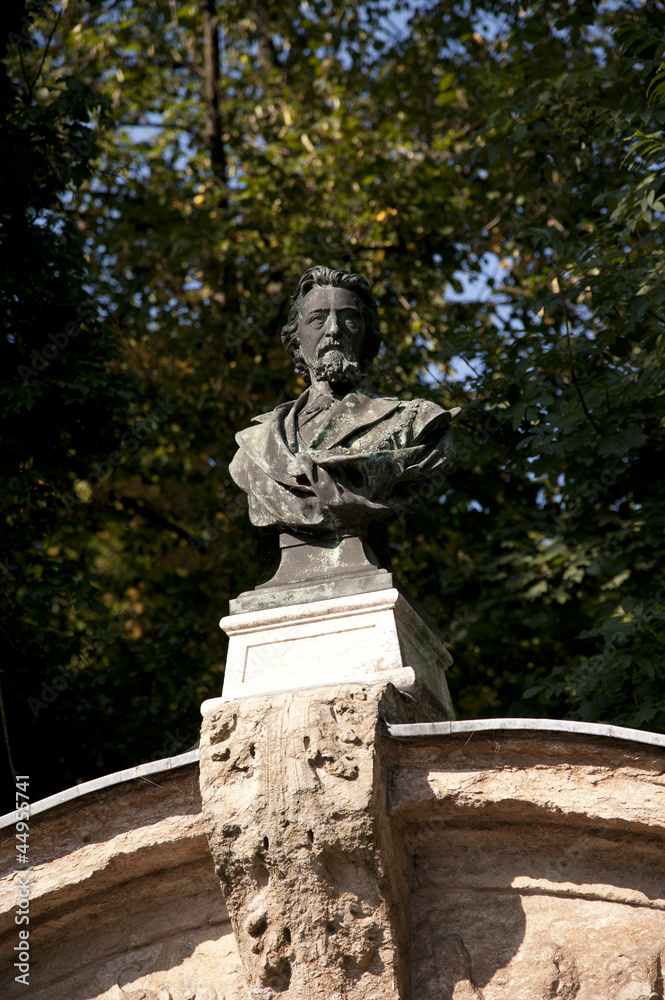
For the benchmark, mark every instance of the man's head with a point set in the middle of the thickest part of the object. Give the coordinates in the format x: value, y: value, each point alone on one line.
x: 332, y: 332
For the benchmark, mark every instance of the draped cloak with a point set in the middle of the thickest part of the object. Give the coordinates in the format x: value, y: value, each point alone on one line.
x: 365, y: 460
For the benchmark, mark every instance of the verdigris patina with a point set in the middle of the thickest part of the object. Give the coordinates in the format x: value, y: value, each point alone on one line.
x: 322, y: 467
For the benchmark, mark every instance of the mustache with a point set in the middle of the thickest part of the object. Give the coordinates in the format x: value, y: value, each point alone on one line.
x: 332, y: 345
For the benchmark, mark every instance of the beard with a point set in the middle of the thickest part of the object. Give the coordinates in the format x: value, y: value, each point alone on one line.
x: 335, y: 366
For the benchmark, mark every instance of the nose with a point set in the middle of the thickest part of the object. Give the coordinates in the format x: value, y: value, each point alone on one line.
x: 332, y: 326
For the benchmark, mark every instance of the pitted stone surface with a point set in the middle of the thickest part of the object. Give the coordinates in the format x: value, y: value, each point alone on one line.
x: 124, y: 901
x: 294, y: 807
x: 538, y: 864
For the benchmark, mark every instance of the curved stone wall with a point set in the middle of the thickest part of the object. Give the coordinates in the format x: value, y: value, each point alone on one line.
x: 538, y: 863
x: 125, y: 904
x: 537, y: 859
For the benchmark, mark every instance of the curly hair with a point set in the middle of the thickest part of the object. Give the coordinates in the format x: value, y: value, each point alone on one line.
x: 320, y: 276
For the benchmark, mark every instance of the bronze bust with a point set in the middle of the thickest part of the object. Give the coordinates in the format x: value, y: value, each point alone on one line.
x: 342, y: 454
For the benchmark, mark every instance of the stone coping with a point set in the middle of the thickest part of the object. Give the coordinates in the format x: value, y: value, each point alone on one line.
x: 397, y: 731
x: 428, y: 729
x: 153, y: 767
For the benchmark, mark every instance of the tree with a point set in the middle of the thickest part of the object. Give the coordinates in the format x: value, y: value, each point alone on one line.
x: 64, y: 397
x: 495, y: 171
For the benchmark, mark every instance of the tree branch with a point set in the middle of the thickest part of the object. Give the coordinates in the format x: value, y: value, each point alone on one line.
x: 267, y: 55
x: 214, y: 128
x: 152, y: 516
x: 46, y: 48
x: 186, y: 44
x: 571, y: 363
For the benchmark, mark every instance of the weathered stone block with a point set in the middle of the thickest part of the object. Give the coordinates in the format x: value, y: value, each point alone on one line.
x: 294, y: 804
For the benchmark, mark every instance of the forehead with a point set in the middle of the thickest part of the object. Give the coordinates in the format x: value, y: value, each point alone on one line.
x: 326, y: 298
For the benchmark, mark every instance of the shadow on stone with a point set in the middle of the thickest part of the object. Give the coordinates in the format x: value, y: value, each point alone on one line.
x: 461, y: 940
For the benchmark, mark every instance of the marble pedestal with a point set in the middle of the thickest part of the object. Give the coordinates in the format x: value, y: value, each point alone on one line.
x: 374, y: 637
